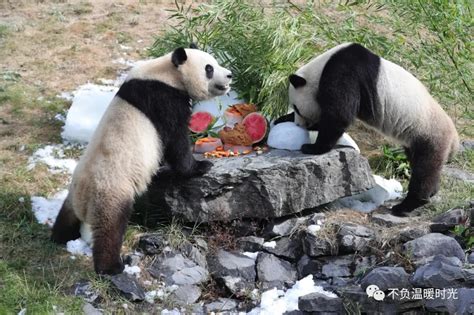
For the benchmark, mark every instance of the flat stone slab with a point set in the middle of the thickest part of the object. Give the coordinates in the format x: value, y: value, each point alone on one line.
x: 270, y: 185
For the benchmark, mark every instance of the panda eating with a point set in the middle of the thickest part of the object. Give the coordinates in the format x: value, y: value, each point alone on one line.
x: 145, y: 124
x: 349, y: 82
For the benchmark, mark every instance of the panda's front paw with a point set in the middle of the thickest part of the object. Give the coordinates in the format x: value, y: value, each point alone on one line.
x: 313, y: 149
x: 202, y: 167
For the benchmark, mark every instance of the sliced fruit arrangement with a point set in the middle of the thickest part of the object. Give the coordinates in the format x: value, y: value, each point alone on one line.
x: 244, y: 128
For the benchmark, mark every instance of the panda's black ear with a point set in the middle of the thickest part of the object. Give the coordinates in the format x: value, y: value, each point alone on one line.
x: 297, y: 81
x: 179, y: 56
x: 193, y: 46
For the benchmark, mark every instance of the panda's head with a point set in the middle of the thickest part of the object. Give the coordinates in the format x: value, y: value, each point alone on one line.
x: 302, y: 99
x: 201, y: 75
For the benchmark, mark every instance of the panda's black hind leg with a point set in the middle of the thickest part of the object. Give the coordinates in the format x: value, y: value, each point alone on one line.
x: 67, y: 226
x: 108, y: 232
x: 426, y: 161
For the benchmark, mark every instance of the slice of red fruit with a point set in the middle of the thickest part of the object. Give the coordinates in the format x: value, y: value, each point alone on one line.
x: 256, y: 126
x: 200, y: 121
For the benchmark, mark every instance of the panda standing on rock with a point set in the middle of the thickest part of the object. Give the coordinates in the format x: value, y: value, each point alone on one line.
x: 349, y: 82
x: 145, y: 124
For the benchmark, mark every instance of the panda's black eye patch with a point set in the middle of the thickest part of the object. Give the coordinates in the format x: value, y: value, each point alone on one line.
x: 209, y: 71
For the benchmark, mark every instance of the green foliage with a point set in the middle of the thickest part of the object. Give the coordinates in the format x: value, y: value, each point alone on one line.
x: 264, y: 44
x: 465, y: 233
x: 392, y: 163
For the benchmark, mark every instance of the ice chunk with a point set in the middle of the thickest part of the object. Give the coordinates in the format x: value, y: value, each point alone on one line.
x: 287, y: 136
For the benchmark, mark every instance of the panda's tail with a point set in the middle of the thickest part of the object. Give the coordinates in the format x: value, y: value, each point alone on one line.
x: 67, y: 226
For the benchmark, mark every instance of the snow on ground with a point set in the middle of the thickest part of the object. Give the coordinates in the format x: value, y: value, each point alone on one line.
x: 274, y: 302
x: 46, y: 210
x: 270, y: 244
x: 132, y: 270
x: 384, y: 190
x: 252, y: 255
x: 79, y: 247
x: 89, y: 104
x: 53, y: 157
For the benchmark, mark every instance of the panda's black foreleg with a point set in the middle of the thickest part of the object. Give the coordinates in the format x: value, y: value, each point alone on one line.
x: 67, y: 226
x: 108, y: 231
x: 178, y: 154
x: 329, y: 133
x: 285, y: 118
x: 426, y: 161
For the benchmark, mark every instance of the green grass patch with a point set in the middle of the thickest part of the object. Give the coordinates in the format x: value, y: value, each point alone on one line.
x: 262, y: 45
x: 4, y: 30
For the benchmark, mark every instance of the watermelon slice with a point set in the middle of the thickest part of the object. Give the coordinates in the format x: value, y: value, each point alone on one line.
x: 200, y: 121
x: 256, y: 126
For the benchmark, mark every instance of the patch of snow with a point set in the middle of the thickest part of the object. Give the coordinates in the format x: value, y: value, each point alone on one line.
x: 66, y: 96
x: 107, y: 81
x: 218, y: 105
x: 251, y: 255
x: 150, y: 296
x: 88, y: 106
x: 274, y: 302
x: 46, y: 210
x: 384, y: 190
x: 125, y: 47
x: 79, y: 247
x: 271, y: 244
x: 132, y: 270
x: 288, y: 136
x: 122, y: 61
x: 174, y: 311
x: 314, y: 228
x: 53, y: 157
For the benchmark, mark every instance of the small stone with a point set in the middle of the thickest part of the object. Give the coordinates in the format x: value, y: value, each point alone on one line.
x: 356, y: 230
x: 132, y: 259
x: 128, y: 286
x: 389, y: 220
x: 430, y: 245
x: 316, y: 218
x: 319, y: 302
x: 274, y: 272
x: 441, y: 272
x: 289, y: 248
x: 234, y: 270
x: 470, y: 258
x: 186, y: 294
x: 315, y: 246
x: 448, y: 220
x: 85, y: 290
x: 308, y: 266
x: 354, y: 238
x: 337, y: 267
x: 284, y: 228
x: 463, y: 304
x: 386, y: 277
x: 467, y: 144
x: 152, y: 244
x: 89, y: 309
x: 221, y: 305
x: 410, y: 233
x: 176, y: 269
x: 458, y: 173
x: 193, y: 253
x: 250, y: 243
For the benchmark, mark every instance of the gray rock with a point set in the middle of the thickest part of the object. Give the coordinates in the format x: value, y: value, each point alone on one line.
x: 319, y: 302
x: 193, y: 253
x: 315, y: 217
x: 221, y: 305
x: 430, y: 245
x: 315, y: 246
x: 458, y: 173
x: 470, y: 258
x: 386, y: 277
x: 132, y: 259
x: 354, y: 238
x: 287, y: 248
x: 463, y: 304
x: 345, y: 266
x: 388, y: 219
x: 441, y: 272
x: 234, y: 270
x: 285, y: 228
x: 467, y: 144
x: 152, y: 243
x: 85, y: 290
x: 468, y: 277
x: 308, y: 266
x: 274, y: 272
x: 89, y: 309
x: 128, y: 287
x: 270, y: 185
x: 176, y: 269
x: 409, y: 233
x: 185, y: 295
x: 448, y: 220
x: 250, y: 243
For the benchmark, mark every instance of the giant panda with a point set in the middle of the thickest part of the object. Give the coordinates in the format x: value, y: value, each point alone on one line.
x: 349, y: 82
x: 145, y: 124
